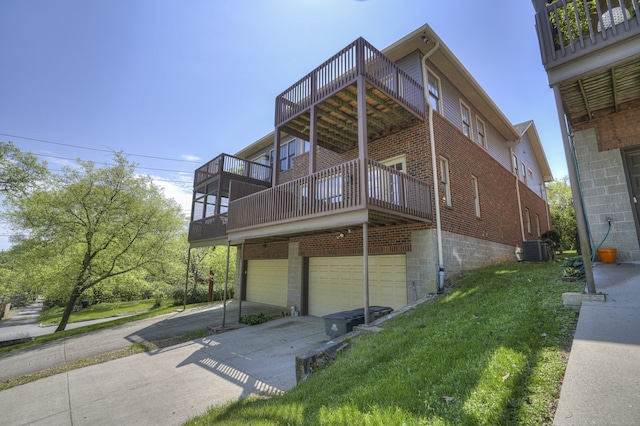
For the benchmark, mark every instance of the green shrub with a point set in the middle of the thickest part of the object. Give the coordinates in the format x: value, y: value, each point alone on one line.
x: 254, y: 319
x: 573, y: 267
x: 194, y: 295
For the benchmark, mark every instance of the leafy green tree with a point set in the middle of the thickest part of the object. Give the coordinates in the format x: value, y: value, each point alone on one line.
x: 563, y: 214
x: 19, y: 171
x: 90, y: 226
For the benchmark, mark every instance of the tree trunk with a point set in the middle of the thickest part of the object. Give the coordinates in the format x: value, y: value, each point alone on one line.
x: 67, y: 311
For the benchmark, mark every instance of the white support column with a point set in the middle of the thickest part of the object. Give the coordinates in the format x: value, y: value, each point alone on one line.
x: 583, y: 231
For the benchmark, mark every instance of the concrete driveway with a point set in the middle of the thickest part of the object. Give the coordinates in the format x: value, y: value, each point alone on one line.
x: 170, y: 385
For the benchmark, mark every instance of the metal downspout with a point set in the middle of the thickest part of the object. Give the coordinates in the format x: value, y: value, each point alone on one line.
x: 519, y: 205
x: 434, y: 164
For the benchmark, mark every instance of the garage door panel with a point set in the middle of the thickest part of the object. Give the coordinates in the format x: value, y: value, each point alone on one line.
x: 267, y: 281
x: 337, y: 283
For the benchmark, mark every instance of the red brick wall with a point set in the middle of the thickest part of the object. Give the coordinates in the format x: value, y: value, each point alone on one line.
x: 619, y: 130
x: 499, y: 221
x: 279, y: 250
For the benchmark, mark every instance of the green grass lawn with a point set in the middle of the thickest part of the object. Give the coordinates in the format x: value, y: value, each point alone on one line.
x: 125, y: 311
x: 491, y: 351
x: 104, y: 310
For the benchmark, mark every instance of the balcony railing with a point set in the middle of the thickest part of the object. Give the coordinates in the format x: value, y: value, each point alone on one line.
x: 233, y: 165
x: 568, y: 29
x: 208, y: 228
x: 333, y: 191
x: 358, y: 58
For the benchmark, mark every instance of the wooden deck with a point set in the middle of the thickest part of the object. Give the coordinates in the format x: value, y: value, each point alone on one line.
x: 392, y: 197
x: 394, y: 99
x: 592, y: 54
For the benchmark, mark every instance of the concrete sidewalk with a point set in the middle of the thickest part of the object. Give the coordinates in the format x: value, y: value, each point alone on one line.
x: 170, y: 385
x: 602, y: 381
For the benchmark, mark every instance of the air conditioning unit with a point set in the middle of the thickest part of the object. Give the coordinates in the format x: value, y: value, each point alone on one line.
x: 535, y: 251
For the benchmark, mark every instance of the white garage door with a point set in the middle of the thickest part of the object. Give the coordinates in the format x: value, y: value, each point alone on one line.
x: 337, y: 283
x: 267, y: 281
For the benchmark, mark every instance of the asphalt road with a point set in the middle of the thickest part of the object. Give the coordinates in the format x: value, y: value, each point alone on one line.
x: 162, y: 327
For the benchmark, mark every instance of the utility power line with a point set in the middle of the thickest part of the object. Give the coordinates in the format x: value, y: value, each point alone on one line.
x: 98, y: 149
x: 108, y: 164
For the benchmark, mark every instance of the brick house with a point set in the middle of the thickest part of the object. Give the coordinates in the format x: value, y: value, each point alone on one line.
x: 595, y: 75
x: 337, y: 208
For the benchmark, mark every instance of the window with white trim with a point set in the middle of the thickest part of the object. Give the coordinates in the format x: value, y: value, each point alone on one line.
x: 476, y: 195
x: 433, y: 86
x: 538, y: 225
x: 482, y: 132
x: 388, y: 185
x: 514, y: 164
x: 445, y: 183
x: 527, y: 220
x: 523, y: 168
x: 465, y: 114
x: 398, y: 163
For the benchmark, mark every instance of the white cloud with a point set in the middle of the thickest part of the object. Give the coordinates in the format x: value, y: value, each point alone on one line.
x: 190, y: 157
x: 181, y: 192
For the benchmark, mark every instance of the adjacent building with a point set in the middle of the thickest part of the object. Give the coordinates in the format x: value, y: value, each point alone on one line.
x: 591, y: 52
x: 387, y: 173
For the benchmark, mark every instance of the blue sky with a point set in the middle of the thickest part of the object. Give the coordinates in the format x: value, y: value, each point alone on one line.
x: 187, y: 80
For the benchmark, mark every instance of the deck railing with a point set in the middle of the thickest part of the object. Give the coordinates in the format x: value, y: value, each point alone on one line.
x: 208, y: 228
x: 234, y: 165
x: 333, y: 191
x: 358, y: 58
x: 567, y: 28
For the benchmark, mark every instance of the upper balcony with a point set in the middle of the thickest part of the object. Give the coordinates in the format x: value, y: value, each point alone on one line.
x: 589, y: 49
x: 571, y: 30
x: 215, y: 185
x: 331, y: 199
x: 394, y: 100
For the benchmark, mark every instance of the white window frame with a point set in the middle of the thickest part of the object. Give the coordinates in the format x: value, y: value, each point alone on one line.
x: 482, y: 135
x: 393, y: 162
x: 527, y: 218
x: 389, y: 186
x: 514, y: 163
x: 476, y: 194
x: 466, y: 125
x: 538, y: 234
x: 431, y: 96
x: 523, y: 169
x: 445, y: 181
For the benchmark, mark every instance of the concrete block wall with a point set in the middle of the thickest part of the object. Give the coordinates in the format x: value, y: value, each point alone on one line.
x: 460, y: 254
x: 606, y: 195
x: 422, y: 265
x: 295, y: 277
x: 463, y: 253
x: 239, y: 272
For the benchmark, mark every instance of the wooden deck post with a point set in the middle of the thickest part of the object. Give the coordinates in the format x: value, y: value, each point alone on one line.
x: 275, y: 172
x: 313, y: 139
x: 365, y: 261
x: 226, y: 283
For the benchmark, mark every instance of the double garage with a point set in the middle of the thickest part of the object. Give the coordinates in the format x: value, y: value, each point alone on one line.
x: 335, y: 283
